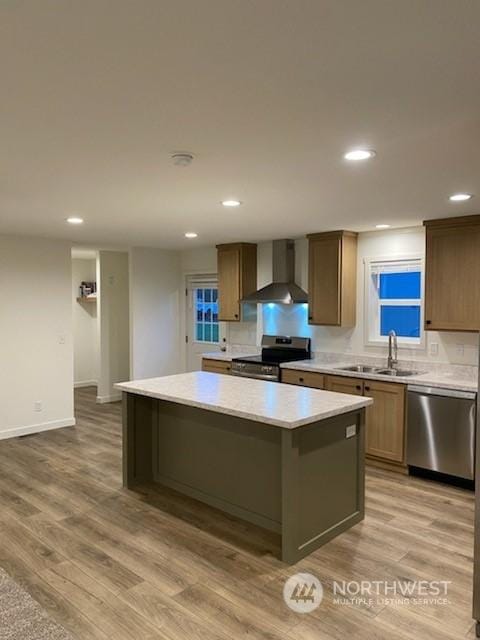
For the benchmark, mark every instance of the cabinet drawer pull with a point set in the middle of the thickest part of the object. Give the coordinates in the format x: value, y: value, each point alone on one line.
x: 367, y: 388
x: 428, y: 322
x: 300, y: 379
x: 358, y: 387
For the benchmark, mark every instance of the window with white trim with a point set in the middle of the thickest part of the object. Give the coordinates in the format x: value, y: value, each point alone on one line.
x: 206, y: 313
x: 394, y: 300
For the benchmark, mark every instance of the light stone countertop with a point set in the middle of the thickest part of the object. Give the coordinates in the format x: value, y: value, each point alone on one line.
x: 430, y: 379
x: 280, y: 405
x: 227, y: 356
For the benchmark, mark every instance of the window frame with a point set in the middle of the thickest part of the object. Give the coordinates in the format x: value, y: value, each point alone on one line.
x: 372, y: 303
x: 203, y: 285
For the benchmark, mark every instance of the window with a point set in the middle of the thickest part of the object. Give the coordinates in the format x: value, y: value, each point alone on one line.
x: 205, y: 309
x: 393, y: 300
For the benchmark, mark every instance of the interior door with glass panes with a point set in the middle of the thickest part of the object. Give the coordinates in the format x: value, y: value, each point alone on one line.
x: 204, y: 333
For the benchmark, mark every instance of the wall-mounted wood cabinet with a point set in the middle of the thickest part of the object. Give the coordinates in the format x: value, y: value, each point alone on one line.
x: 452, y: 274
x: 332, y: 278
x: 237, y: 277
x: 385, y: 419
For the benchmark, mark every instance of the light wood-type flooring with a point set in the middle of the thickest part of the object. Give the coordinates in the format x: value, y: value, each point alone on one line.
x: 111, y: 563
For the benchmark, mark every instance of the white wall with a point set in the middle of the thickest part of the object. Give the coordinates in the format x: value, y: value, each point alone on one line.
x: 453, y: 347
x: 114, y: 331
x: 36, y: 343
x: 156, y: 290
x: 85, y: 332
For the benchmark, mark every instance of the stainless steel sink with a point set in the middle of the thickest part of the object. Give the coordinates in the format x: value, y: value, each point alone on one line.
x: 365, y: 368
x: 359, y: 368
x: 397, y: 372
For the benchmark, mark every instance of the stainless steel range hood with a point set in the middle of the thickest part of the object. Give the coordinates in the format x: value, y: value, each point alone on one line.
x: 283, y: 288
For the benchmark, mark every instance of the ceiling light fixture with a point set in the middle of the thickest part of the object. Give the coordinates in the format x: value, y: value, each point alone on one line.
x: 231, y: 203
x: 182, y: 158
x: 74, y: 220
x: 191, y: 234
x: 460, y: 197
x: 382, y: 226
x: 359, y: 154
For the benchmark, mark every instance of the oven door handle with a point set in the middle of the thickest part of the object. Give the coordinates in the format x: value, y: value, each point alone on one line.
x: 257, y: 376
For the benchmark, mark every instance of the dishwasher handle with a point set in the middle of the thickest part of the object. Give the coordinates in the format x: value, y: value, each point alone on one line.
x: 444, y: 393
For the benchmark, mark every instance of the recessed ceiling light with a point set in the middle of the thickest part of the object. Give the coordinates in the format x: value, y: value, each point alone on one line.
x: 382, y: 226
x: 460, y: 197
x: 231, y: 203
x: 359, y: 154
x: 191, y: 234
x: 74, y: 220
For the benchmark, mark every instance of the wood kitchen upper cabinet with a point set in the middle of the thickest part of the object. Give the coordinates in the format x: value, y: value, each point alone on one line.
x: 385, y: 419
x: 237, y: 277
x: 332, y: 278
x: 452, y: 274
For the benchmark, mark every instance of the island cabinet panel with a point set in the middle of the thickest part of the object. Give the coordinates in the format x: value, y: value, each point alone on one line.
x: 385, y: 419
x: 306, y: 483
x: 237, y: 277
x: 216, y: 366
x: 385, y: 432
x: 303, y: 378
x: 452, y: 274
x: 332, y: 278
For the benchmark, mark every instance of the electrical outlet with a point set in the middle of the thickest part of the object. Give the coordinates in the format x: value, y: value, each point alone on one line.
x: 61, y: 338
x: 37, y: 405
x: 434, y: 349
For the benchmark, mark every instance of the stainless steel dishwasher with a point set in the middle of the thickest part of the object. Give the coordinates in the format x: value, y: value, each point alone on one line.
x: 441, y: 430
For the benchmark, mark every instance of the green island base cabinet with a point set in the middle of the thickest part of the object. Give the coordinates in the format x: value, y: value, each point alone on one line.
x: 303, y: 482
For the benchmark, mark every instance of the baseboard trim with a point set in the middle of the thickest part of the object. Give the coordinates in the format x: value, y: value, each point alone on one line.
x: 85, y: 383
x: 15, y: 432
x: 114, y: 397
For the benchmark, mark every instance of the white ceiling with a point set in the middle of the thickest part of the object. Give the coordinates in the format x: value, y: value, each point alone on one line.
x: 267, y: 94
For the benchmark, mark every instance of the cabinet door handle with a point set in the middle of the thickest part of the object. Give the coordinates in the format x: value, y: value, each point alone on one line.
x: 428, y: 322
x: 358, y: 387
x: 236, y: 315
x: 300, y: 379
x: 310, y: 317
x: 367, y: 388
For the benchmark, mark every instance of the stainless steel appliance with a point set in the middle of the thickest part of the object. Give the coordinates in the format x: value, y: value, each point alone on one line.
x: 275, y: 350
x: 283, y: 289
x: 441, y: 431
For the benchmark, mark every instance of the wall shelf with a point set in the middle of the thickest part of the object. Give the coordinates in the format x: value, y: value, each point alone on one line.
x: 86, y: 299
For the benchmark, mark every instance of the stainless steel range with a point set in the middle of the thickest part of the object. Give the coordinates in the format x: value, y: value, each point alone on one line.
x: 275, y: 350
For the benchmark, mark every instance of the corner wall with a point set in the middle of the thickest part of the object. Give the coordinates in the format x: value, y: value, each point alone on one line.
x: 114, y: 332
x: 156, y: 290
x: 36, y: 342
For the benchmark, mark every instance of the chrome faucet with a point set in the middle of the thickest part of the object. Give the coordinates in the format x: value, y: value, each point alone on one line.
x: 392, y: 360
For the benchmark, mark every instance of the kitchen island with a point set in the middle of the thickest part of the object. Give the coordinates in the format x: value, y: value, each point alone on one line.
x: 286, y: 458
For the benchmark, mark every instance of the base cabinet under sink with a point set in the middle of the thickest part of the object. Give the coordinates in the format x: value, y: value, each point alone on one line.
x: 385, y: 419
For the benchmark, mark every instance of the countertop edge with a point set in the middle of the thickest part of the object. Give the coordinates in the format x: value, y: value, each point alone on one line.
x: 363, y: 402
